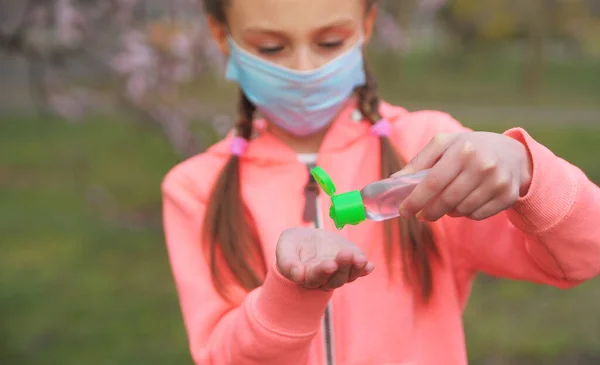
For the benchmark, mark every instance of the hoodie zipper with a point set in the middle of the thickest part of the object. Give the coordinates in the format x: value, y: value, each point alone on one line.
x: 328, y: 336
x: 312, y: 203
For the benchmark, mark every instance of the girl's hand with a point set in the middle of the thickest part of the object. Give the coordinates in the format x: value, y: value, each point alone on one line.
x: 473, y: 174
x: 318, y: 259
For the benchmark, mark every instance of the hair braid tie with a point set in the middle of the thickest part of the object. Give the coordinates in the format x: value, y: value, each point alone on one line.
x: 382, y: 128
x: 239, y: 146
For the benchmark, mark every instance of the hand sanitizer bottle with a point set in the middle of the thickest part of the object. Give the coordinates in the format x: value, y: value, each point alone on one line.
x: 377, y: 201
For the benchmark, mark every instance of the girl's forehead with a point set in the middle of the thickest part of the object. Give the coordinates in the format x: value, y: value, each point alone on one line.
x: 293, y: 15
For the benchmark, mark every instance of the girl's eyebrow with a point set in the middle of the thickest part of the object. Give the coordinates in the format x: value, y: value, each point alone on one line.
x: 342, y: 22
x: 263, y: 29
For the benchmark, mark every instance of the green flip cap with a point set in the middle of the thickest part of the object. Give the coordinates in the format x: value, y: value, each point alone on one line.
x: 346, y: 208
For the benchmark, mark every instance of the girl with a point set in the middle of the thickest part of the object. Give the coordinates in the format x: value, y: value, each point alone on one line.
x: 255, y: 290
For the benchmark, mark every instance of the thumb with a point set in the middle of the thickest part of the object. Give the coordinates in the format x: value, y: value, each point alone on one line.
x: 288, y: 256
x: 428, y: 156
x: 291, y: 268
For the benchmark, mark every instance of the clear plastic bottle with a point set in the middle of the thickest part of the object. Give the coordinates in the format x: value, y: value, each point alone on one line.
x: 377, y: 201
x: 382, y: 198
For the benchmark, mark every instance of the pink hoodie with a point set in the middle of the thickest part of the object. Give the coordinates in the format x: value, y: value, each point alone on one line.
x: 550, y: 236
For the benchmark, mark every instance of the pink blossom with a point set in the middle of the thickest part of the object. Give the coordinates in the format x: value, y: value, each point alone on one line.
x: 389, y: 33
x: 181, y: 46
x: 137, y: 85
x: 69, y: 23
x: 135, y: 55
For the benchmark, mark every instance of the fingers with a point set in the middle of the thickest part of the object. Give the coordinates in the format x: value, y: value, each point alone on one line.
x: 438, y: 178
x: 489, y: 199
x: 453, y: 195
x: 358, y: 268
x: 358, y: 273
x: 346, y: 268
x: 492, y: 195
x: 345, y: 262
x: 494, y: 207
x: 318, y: 273
x: 350, y: 268
x: 429, y: 155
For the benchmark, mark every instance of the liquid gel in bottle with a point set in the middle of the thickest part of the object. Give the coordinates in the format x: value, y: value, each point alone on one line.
x: 377, y: 201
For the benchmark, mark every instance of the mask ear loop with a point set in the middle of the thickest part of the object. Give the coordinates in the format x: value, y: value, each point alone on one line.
x: 361, y: 39
x: 229, y: 40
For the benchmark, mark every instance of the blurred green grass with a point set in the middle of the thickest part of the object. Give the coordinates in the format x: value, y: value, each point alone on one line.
x: 84, y: 276
x: 82, y: 283
x: 488, y: 78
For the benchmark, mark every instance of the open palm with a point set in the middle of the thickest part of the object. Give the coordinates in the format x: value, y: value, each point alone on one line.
x: 319, y: 259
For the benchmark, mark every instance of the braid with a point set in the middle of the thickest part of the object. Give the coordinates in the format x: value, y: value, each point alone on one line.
x: 229, y: 231
x: 368, y: 100
x: 246, y: 116
x: 416, y: 238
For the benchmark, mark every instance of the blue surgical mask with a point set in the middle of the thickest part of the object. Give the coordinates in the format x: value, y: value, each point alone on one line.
x: 301, y: 102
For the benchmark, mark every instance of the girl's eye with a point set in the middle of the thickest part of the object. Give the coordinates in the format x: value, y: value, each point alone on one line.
x: 331, y: 44
x: 270, y: 50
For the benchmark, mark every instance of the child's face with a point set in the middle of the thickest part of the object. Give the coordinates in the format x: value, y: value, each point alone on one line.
x: 298, y: 34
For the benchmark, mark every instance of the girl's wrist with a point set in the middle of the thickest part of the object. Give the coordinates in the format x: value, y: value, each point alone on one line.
x: 527, y: 173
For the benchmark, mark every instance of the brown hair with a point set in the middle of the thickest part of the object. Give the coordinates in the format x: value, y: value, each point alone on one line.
x: 228, y: 228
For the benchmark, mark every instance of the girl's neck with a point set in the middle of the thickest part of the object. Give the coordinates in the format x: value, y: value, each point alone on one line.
x: 308, y: 144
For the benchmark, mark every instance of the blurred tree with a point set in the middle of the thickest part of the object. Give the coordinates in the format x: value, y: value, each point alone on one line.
x: 81, y: 53
x: 538, y: 12
x: 579, y: 20
x: 397, y: 20
x: 476, y: 24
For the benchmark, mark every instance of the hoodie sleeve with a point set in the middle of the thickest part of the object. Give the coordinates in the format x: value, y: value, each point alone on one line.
x: 274, y: 324
x: 549, y: 236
